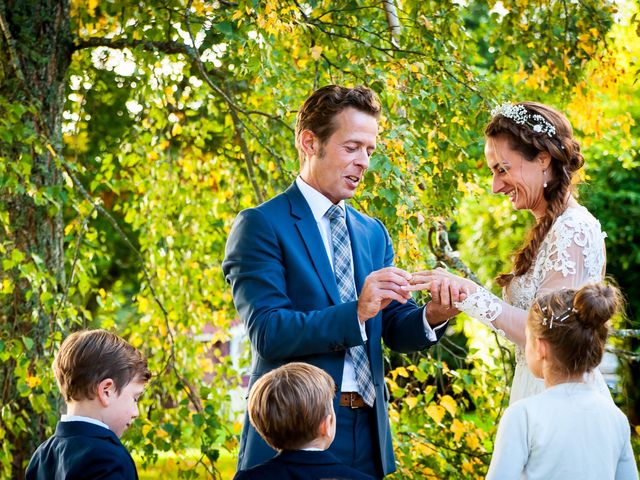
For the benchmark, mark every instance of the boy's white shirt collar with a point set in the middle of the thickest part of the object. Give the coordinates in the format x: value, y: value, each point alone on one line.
x: 80, y: 418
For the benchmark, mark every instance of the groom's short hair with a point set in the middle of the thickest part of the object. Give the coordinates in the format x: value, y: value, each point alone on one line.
x: 319, y: 110
x: 288, y: 404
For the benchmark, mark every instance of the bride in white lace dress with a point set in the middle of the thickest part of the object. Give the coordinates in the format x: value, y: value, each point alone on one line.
x: 533, y: 155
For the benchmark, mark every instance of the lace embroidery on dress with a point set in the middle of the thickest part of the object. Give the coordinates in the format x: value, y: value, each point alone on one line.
x: 575, y: 225
x: 482, y: 306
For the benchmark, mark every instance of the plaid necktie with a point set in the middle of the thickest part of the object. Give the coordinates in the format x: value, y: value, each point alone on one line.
x: 347, y: 289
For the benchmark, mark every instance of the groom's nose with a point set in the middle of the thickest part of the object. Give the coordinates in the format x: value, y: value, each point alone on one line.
x: 497, y: 184
x: 362, y: 160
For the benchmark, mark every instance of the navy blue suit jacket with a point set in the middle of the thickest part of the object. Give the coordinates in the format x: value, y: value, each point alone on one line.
x: 302, y: 465
x: 286, y: 294
x: 81, y: 451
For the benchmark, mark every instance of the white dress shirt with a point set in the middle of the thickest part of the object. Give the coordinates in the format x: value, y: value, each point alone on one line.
x: 80, y: 418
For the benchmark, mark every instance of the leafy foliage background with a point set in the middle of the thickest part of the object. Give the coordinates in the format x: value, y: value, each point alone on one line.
x: 149, y: 125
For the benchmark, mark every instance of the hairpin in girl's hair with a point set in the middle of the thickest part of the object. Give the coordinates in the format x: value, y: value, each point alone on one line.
x: 556, y: 318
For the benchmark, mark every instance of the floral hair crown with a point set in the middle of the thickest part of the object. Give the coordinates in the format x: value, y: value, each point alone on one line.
x: 556, y: 318
x: 521, y: 116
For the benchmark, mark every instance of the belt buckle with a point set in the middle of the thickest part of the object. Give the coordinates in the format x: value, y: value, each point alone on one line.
x: 352, y: 396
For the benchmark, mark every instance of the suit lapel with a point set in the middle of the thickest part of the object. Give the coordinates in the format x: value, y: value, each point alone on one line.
x: 308, y: 229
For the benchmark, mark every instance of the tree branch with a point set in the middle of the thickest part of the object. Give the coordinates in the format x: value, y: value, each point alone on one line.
x: 441, y: 446
x: 76, y: 254
x: 393, y: 21
x: 170, y: 363
x: 248, y: 158
x: 192, y: 53
x: 625, y: 333
x: 629, y: 356
x: 120, y: 43
x: 391, y: 51
x: 4, y: 25
x: 444, y: 253
x: 237, y: 123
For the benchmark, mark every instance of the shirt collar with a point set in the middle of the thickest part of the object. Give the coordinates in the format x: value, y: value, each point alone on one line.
x: 80, y: 418
x: 318, y: 203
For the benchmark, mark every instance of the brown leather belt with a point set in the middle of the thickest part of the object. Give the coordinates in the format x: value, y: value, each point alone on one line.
x: 352, y: 400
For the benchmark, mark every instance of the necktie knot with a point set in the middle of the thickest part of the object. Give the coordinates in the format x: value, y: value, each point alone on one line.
x: 335, y: 212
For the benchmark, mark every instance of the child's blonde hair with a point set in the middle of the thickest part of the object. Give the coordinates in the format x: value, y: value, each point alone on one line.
x: 288, y: 404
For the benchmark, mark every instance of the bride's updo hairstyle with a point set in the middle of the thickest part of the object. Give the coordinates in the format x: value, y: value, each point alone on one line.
x: 574, y: 324
x: 539, y: 128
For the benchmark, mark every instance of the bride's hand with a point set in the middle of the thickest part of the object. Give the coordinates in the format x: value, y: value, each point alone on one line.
x: 445, y: 287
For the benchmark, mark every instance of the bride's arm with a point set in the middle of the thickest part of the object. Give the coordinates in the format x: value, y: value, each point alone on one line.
x: 480, y: 304
x: 498, y: 315
x: 577, y: 258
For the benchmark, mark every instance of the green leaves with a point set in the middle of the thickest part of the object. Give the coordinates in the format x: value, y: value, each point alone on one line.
x: 154, y: 142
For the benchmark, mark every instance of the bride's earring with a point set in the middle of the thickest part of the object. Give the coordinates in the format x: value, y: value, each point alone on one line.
x: 544, y: 172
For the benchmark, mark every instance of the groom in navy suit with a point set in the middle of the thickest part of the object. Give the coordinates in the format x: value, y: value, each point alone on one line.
x: 313, y: 281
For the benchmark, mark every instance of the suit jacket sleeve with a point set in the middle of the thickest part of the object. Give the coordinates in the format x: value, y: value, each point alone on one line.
x: 256, y: 265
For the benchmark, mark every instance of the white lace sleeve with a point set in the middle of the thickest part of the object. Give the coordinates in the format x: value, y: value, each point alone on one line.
x: 574, y: 256
x: 483, y: 306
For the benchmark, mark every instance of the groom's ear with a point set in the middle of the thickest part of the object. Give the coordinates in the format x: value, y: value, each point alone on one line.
x: 308, y: 142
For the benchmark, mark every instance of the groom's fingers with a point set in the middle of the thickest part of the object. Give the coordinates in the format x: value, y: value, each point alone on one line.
x: 392, y: 287
x: 391, y: 274
x: 421, y: 277
x: 415, y: 287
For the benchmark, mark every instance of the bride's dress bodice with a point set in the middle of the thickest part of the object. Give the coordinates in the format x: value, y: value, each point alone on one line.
x: 574, y: 248
x: 571, y: 255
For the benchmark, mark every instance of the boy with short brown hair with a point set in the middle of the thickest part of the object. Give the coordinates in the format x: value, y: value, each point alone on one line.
x: 291, y: 407
x: 101, y: 378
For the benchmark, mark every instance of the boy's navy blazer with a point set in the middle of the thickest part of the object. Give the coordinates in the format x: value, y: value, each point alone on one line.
x: 302, y: 465
x: 81, y: 451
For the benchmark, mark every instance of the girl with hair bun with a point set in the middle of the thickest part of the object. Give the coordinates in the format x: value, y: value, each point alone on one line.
x: 534, y: 158
x: 569, y: 430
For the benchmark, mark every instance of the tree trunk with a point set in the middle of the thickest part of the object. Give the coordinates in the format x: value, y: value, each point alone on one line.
x: 35, y: 53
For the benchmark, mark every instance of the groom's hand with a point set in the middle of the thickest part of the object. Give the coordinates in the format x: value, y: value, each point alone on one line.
x: 380, y: 289
x: 444, y: 294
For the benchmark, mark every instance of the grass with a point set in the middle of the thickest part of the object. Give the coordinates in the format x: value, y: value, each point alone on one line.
x: 168, y: 465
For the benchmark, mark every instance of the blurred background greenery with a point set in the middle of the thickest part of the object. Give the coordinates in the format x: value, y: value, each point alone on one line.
x: 132, y: 133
